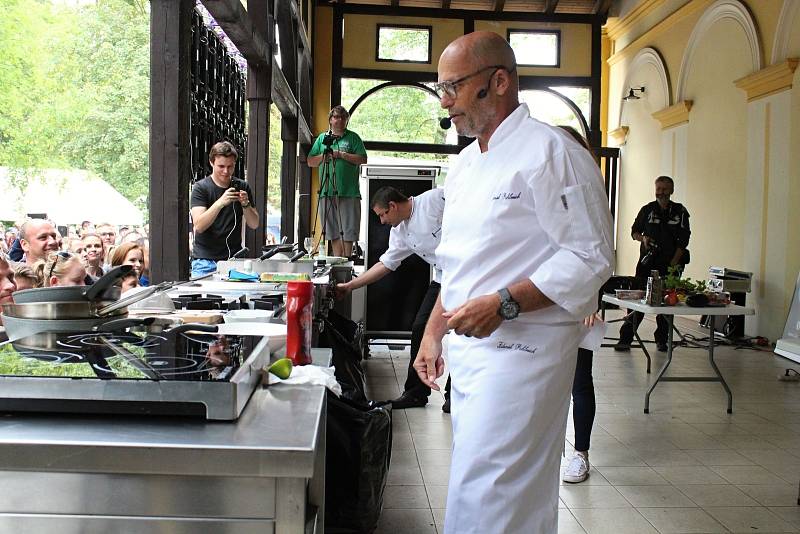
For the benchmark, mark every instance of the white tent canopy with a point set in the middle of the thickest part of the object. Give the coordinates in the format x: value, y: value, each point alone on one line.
x: 65, y: 197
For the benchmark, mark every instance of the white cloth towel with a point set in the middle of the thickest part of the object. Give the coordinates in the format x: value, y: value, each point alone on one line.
x: 311, y: 374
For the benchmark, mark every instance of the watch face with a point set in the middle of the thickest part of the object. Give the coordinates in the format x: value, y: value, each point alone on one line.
x: 509, y: 310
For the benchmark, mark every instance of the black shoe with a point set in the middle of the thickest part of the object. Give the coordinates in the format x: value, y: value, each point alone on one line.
x: 446, y: 405
x: 661, y: 347
x: 622, y: 347
x: 409, y: 399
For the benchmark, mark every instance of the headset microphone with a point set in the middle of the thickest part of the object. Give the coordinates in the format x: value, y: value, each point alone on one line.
x: 445, y: 123
x: 485, y: 91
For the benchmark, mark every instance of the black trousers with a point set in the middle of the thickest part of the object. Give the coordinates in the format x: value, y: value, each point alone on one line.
x: 631, y: 324
x: 413, y: 383
x: 583, y: 403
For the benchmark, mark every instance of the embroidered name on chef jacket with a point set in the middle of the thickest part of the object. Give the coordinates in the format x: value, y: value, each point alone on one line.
x: 516, y: 346
x: 507, y: 196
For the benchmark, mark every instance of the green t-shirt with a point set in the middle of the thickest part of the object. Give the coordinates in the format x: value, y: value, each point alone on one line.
x: 345, y: 173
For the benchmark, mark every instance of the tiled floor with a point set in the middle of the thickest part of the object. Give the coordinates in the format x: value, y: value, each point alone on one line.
x: 686, y: 467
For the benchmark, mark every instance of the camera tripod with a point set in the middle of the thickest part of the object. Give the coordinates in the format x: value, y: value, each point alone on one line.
x: 328, y: 177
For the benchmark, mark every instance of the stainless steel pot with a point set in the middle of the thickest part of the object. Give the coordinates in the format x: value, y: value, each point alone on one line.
x: 103, y: 290
x: 60, y: 310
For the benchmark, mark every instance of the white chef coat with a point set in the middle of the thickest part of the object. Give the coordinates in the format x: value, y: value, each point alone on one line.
x: 532, y: 206
x: 535, y: 207
x: 419, y: 234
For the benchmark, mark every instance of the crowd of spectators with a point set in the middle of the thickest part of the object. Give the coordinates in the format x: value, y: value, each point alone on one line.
x: 42, y: 254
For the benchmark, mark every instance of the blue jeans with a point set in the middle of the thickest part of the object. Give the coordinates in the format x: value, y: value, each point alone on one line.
x: 202, y: 267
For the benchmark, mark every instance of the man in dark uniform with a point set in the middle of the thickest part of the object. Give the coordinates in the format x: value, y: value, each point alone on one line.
x: 662, y: 227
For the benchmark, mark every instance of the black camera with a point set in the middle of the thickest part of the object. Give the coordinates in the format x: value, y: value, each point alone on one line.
x: 329, y: 139
x: 652, y: 252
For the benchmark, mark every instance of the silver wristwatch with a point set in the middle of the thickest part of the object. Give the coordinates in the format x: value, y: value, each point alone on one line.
x: 509, y: 308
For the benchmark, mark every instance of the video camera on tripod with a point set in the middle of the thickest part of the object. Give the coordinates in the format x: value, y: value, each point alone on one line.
x: 329, y: 139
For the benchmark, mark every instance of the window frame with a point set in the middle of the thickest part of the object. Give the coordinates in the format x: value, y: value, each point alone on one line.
x: 378, y: 28
x: 557, y: 33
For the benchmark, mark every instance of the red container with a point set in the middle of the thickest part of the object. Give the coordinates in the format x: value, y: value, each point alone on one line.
x: 299, y: 313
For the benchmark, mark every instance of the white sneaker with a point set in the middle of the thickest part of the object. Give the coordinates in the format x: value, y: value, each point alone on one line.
x: 577, y: 470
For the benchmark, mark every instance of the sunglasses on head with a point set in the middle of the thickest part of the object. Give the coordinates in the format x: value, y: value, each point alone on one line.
x: 60, y: 255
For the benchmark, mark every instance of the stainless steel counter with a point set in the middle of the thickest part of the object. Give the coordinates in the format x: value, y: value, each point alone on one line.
x: 263, y: 473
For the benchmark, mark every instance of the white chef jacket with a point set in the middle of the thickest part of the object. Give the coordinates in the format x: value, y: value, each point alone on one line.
x: 419, y: 234
x: 533, y: 206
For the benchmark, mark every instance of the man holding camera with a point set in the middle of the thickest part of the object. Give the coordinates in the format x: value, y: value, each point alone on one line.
x: 341, y: 151
x: 662, y: 227
x: 219, y: 204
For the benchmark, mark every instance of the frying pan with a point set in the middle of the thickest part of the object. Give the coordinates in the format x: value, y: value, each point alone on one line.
x: 103, y: 290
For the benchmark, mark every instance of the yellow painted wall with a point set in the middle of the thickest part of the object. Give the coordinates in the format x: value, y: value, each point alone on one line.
x: 639, y: 166
x: 765, y: 13
x: 576, y: 46
x: 715, y: 157
x: 360, y: 45
x: 717, y: 148
x: 793, y: 245
x: 323, y: 73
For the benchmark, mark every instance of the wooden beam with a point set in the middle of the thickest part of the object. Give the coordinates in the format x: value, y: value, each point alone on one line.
x: 499, y: 5
x: 426, y: 148
x: 601, y: 8
x: 595, y: 136
x: 253, y: 43
x: 302, y: 30
x: 437, y: 12
x: 170, y: 146
x: 445, y: 4
x: 288, y: 183
x: 304, y: 215
x: 390, y: 75
x: 259, y: 91
x: 282, y: 94
x: 395, y: 3
x: 550, y: 6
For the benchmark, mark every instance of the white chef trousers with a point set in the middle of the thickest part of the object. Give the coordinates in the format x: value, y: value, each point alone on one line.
x: 509, y: 400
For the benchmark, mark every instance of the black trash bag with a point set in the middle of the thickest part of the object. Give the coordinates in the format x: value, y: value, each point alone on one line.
x: 344, y: 337
x: 358, y: 452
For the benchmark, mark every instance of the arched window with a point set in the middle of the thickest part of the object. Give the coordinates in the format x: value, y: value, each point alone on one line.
x: 395, y: 111
x: 560, y: 106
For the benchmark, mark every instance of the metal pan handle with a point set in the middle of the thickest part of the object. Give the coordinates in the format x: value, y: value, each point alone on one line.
x: 121, y: 324
x: 141, y: 295
x: 104, y: 282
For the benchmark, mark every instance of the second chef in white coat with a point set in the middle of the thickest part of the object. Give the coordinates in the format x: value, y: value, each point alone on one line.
x: 526, y: 245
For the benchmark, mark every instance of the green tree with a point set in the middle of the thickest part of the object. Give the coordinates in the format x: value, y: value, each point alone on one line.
x: 77, y: 95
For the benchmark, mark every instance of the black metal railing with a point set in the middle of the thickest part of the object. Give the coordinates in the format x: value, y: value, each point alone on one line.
x: 218, y: 99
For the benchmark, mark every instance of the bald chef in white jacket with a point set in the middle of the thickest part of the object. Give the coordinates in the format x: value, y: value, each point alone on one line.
x: 526, y: 245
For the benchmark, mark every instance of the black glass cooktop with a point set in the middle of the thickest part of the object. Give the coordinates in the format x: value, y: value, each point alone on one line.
x: 185, y: 356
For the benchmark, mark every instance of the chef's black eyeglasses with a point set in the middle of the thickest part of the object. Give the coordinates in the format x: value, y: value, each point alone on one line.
x: 450, y: 88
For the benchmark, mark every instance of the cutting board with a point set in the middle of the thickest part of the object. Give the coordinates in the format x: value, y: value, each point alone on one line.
x: 185, y: 316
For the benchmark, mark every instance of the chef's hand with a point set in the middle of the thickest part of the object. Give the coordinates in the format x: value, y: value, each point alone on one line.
x: 646, y: 242
x: 429, y: 363
x: 342, y: 290
x: 477, y: 317
x: 590, y: 320
x: 229, y: 196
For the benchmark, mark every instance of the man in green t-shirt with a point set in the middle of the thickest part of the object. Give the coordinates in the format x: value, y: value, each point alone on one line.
x: 338, y: 152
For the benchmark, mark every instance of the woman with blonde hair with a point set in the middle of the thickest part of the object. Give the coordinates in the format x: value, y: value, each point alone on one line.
x: 24, y: 276
x: 94, y: 254
x: 59, y: 269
